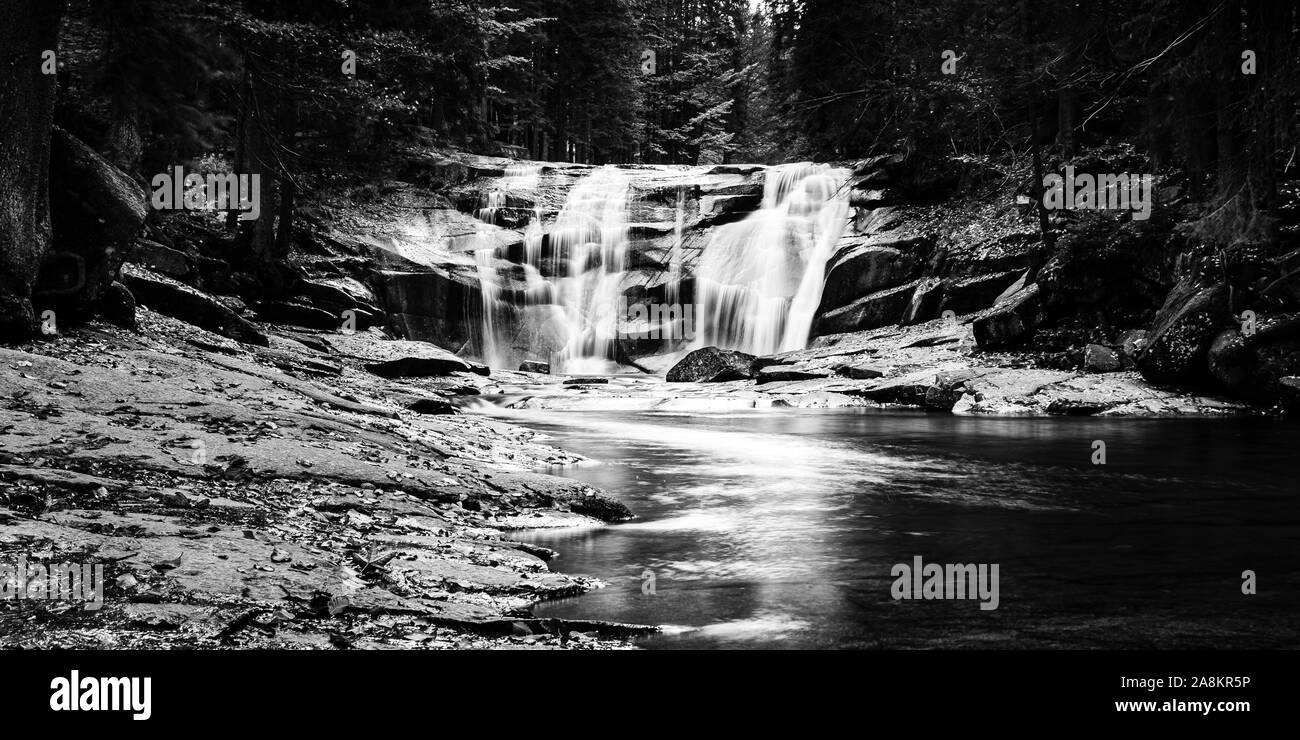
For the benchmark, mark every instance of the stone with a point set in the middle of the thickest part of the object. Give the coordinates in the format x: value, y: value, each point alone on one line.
x: 1010, y: 323
x: 863, y: 266
x: 180, y: 301
x: 1131, y: 343
x: 858, y: 372
x: 1098, y: 358
x: 432, y: 406
x: 400, y: 358
x: 534, y: 366
x: 297, y: 314
x: 976, y: 293
x: 926, y: 303
x: 1182, y: 332
x: 118, y: 306
x: 712, y: 365
x: 871, y: 312
x: 1231, y: 359
x: 161, y: 259
x: 774, y: 373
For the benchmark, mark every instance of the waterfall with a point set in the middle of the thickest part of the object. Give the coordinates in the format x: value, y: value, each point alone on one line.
x: 759, y: 280
x: 590, y: 236
x: 521, y: 182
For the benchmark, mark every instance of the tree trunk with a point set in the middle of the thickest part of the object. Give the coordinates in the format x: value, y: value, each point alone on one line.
x: 27, y: 102
x: 257, y: 238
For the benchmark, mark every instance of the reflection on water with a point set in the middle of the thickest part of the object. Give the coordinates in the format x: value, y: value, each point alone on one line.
x: 780, y: 528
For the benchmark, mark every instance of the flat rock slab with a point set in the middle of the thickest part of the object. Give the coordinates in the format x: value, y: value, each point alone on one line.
x: 400, y: 358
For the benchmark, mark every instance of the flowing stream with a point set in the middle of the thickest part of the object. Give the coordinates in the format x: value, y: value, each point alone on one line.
x: 780, y: 528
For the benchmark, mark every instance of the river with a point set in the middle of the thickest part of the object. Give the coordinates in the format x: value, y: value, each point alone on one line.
x: 781, y: 528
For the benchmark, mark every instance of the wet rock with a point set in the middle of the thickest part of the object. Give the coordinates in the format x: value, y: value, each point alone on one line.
x: 534, y: 366
x: 1100, y: 359
x: 941, y: 399
x: 1012, y: 322
x: 1075, y: 407
x: 712, y: 365
x: 96, y: 212
x: 1180, y: 336
x: 432, y: 406
x: 180, y: 301
x: 600, y: 506
x: 586, y: 381
x: 871, y: 312
x: 399, y: 358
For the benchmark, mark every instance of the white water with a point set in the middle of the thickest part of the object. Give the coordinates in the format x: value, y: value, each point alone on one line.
x: 520, y: 178
x: 759, y: 280
x: 590, y: 235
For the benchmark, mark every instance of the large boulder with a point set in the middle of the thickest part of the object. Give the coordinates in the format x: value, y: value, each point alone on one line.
x: 96, y: 212
x: 180, y: 301
x: 870, y: 312
x: 862, y: 266
x: 1179, y: 340
x: 1011, y: 322
x: 712, y: 365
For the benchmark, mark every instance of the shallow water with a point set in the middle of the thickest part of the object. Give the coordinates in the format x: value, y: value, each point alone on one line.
x: 780, y: 528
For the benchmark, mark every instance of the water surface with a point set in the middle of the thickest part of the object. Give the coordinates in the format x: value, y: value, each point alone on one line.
x: 780, y: 528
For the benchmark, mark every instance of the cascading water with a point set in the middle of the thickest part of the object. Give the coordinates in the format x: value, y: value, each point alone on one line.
x: 759, y: 280
x: 520, y: 180
x: 590, y: 236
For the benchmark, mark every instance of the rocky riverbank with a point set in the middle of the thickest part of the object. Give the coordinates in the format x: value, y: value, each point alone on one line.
x: 276, y: 496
